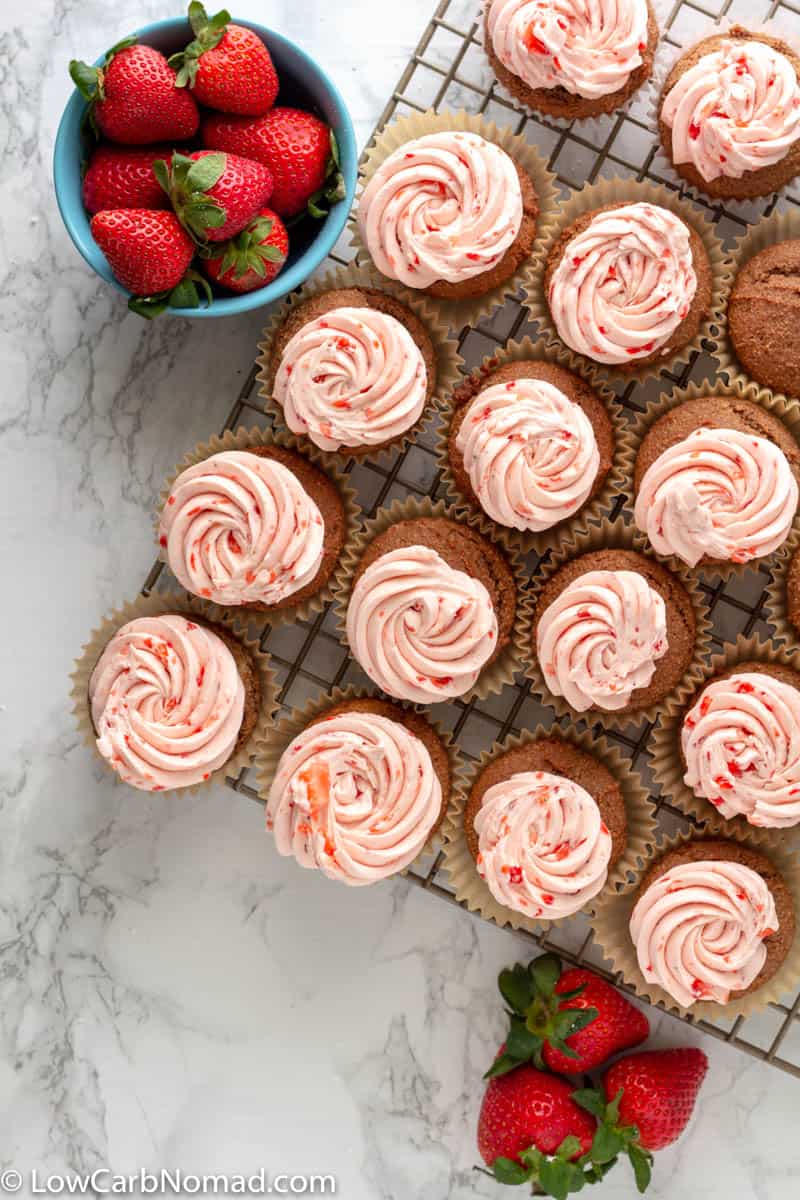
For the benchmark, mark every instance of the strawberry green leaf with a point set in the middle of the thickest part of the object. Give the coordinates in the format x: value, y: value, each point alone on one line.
x: 88, y: 80
x: 161, y: 172
x: 149, y: 306
x: 591, y: 1100
x: 198, y: 17
x: 507, y: 1171
x: 516, y: 988
x: 642, y: 1163
x: 572, y: 993
x: 269, y: 253
x: 532, y: 1157
x: 612, y: 1110
x: 335, y: 155
x: 606, y: 1144
x: 501, y: 1066
x: 205, y: 172
x: 569, y: 1147
x: 545, y: 972
x: 521, y: 1043
x: 573, y: 1020
x: 555, y: 1178
x: 184, y: 295
x: 201, y: 216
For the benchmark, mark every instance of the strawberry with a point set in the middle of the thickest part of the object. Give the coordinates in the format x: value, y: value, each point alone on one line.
x: 300, y: 151
x: 214, y: 195
x: 133, y: 97
x: 253, y: 258
x: 122, y: 177
x: 659, y: 1088
x: 228, y: 66
x: 149, y: 253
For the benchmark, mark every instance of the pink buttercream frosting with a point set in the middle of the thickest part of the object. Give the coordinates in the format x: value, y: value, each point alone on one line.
x: 444, y: 207
x: 241, y: 529
x: 354, y: 796
x: 622, y: 287
x: 588, y: 47
x: 419, y: 628
x: 544, y: 848
x: 600, y: 638
x: 699, y: 930
x: 530, y: 453
x: 353, y: 377
x: 737, y: 109
x: 167, y: 702
x: 719, y: 494
x: 741, y: 745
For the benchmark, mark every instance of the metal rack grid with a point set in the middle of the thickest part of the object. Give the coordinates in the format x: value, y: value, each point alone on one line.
x: 449, y: 70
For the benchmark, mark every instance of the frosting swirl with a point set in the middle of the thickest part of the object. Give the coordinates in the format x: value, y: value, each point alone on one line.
x: 355, y: 796
x: 600, y: 638
x: 353, y: 377
x: 167, y: 702
x: 588, y: 47
x: 241, y: 529
x: 737, y: 109
x: 718, y: 494
x: 741, y: 744
x: 530, y: 453
x: 622, y: 287
x: 543, y: 847
x: 698, y: 930
x: 445, y: 206
x: 419, y: 628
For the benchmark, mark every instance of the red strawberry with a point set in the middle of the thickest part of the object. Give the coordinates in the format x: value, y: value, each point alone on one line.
x: 659, y: 1088
x: 618, y: 1026
x: 253, y: 258
x: 133, y: 96
x: 215, y: 195
x: 227, y: 65
x: 530, y: 1108
x: 121, y: 177
x: 298, y: 148
x: 149, y: 253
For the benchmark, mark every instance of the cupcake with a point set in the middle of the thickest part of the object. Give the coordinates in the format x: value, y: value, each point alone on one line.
x: 613, y: 631
x: 172, y: 699
x: 432, y: 604
x: 729, y: 115
x: 763, y: 313
x: 628, y: 284
x: 567, y: 59
x: 262, y: 527
x: 716, y: 481
x: 713, y: 920
x: 529, y: 444
x: 359, y: 791
x: 450, y: 214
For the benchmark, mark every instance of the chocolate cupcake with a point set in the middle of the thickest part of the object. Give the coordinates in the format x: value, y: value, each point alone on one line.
x: 729, y: 115
x: 716, y: 481
x: 763, y: 312
x: 559, y: 60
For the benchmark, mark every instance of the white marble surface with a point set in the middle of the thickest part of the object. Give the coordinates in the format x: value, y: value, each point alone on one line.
x: 171, y: 992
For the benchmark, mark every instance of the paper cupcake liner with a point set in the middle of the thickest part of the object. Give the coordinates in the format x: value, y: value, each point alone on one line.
x: 741, y: 389
x: 272, y: 746
x: 621, y: 464
x: 246, y: 439
x: 616, y: 535
x: 612, y: 919
x: 777, y: 605
x: 458, y: 313
x: 618, y: 191
x: 448, y: 359
x: 474, y: 893
x: 155, y: 605
x: 511, y: 660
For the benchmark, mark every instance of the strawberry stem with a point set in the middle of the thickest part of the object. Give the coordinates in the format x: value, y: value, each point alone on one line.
x: 208, y: 33
x: 612, y: 1138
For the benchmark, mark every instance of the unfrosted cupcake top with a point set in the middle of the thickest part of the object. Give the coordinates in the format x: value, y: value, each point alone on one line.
x: 600, y: 639
x: 353, y: 377
x: 741, y: 745
x: 699, y: 930
x: 356, y: 796
x: 530, y: 453
x: 444, y: 207
x: 590, y: 50
x: 544, y: 848
x: 717, y: 493
x: 167, y: 702
x: 737, y: 109
x: 239, y: 528
x: 624, y: 284
x: 421, y: 629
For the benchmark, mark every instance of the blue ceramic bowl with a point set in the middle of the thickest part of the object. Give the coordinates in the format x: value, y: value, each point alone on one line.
x: 303, y: 85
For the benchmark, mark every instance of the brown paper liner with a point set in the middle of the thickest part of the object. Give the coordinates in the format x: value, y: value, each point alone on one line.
x: 457, y: 313
x: 631, y: 191
x: 616, y: 535
x: 777, y: 603
x: 741, y: 389
x: 448, y: 359
x: 667, y: 760
x: 596, y: 506
x: 245, y: 439
x: 612, y: 919
x: 474, y: 893
x: 155, y: 605
x: 513, y: 657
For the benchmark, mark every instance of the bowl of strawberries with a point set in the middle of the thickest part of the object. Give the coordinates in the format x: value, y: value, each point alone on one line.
x: 204, y: 166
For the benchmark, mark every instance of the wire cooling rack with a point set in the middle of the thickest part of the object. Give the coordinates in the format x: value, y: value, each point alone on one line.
x: 449, y: 70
